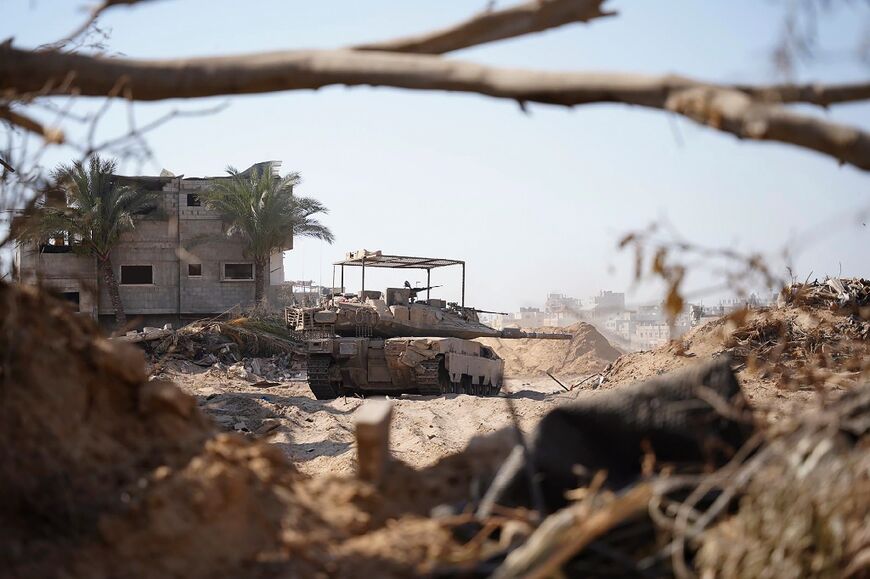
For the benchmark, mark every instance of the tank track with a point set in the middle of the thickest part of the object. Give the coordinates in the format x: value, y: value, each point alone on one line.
x: 470, y: 389
x: 318, y: 378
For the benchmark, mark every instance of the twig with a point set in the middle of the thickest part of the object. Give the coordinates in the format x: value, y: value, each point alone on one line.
x: 586, y: 379
x: 528, y: 460
x: 96, y: 12
x: 556, y: 380
x: 565, y: 533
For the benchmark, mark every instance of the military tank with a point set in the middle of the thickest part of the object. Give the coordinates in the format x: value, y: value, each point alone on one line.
x: 395, y: 342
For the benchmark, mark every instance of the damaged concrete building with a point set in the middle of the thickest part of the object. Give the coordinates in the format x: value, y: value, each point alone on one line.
x: 177, y: 264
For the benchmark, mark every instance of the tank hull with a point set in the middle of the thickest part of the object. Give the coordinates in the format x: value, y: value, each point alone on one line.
x: 411, y: 365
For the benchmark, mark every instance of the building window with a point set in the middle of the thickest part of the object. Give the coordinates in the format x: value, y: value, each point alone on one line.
x: 137, y: 275
x: 194, y: 270
x: 73, y: 298
x: 238, y: 271
x: 193, y: 200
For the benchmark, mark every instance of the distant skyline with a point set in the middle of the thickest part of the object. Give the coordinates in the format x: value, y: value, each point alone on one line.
x: 534, y: 203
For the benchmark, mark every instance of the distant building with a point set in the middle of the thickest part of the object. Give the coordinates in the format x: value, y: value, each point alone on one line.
x: 530, y: 318
x: 622, y: 324
x: 649, y: 335
x: 644, y: 327
x: 608, y: 302
x: 561, y: 310
x: 177, y: 263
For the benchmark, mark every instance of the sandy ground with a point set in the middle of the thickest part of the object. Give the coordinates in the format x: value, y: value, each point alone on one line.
x: 317, y: 435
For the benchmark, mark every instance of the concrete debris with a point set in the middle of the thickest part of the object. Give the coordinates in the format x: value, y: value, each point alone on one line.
x: 146, y: 335
x: 238, y: 371
x: 262, y: 372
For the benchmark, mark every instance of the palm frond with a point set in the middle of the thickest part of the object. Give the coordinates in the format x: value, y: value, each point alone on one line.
x: 98, y: 210
x: 264, y: 211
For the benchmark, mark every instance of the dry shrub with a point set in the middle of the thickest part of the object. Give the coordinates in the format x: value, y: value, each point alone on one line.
x: 800, y: 346
x: 805, y: 512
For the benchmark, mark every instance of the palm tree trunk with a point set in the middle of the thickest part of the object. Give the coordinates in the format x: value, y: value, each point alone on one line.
x: 260, y: 278
x: 114, y: 293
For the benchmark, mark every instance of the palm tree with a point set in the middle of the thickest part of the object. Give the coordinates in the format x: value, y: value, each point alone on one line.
x: 261, y: 207
x: 97, y: 211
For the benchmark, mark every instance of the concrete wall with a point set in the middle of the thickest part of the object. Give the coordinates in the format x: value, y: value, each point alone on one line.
x: 61, y: 272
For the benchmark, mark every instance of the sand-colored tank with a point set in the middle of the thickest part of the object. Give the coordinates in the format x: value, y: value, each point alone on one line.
x: 392, y: 342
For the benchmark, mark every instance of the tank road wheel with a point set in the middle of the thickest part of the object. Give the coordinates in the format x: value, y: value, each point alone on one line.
x: 318, y: 378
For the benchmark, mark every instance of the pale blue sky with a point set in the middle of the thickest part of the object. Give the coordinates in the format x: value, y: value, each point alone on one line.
x: 534, y: 203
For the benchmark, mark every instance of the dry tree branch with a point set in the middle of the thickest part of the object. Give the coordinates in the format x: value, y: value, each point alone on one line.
x: 814, y: 94
x: 96, y: 12
x: 54, y: 136
x: 489, y: 26
x: 137, y: 132
x: 722, y: 107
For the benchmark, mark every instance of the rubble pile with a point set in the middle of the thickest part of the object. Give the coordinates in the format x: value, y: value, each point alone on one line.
x: 262, y: 370
x: 208, y: 342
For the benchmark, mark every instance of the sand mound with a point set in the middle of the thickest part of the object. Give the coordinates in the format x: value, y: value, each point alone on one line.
x: 106, y: 474
x: 586, y: 353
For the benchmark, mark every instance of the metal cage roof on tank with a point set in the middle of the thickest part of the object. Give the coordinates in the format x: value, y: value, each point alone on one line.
x: 364, y: 258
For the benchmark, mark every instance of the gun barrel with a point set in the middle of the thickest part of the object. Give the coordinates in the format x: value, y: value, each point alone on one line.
x: 515, y: 334
x: 488, y: 312
x: 416, y: 290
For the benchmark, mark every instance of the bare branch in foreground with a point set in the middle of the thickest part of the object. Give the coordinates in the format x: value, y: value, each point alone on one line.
x: 814, y: 94
x: 95, y: 13
x: 50, y: 135
x: 724, y: 108
x: 489, y: 26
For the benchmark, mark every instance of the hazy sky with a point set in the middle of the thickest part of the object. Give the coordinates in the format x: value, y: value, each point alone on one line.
x: 534, y: 203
